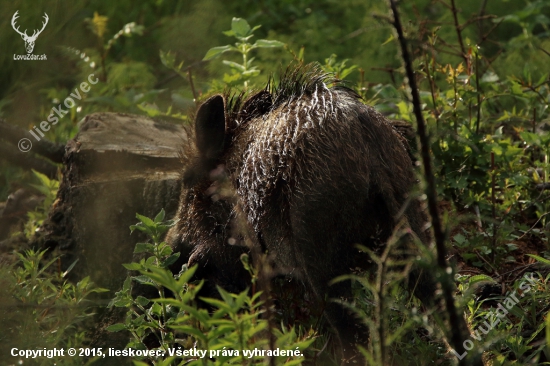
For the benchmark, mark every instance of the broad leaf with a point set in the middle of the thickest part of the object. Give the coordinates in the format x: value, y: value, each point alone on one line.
x: 266, y: 43
x: 240, y: 27
x: 216, y: 51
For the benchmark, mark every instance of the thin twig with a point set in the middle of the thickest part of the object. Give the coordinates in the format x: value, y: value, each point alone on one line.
x: 534, y: 120
x: 543, y: 50
x: 478, y: 91
x: 521, y: 268
x: 454, y: 50
x: 432, y: 90
x: 389, y: 70
x: 486, y: 35
x: 476, y: 19
x: 192, y: 86
x: 532, y: 227
x: 493, y: 204
x: 458, y: 326
x: 479, y: 18
x: 381, y: 278
x: 458, y: 31
x: 487, y: 262
x: 534, y: 90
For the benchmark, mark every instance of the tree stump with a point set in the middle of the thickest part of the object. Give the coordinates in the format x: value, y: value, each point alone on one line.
x: 117, y: 165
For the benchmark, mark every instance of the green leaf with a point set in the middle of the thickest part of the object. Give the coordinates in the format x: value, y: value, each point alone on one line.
x: 156, y: 309
x: 390, y: 38
x: 42, y: 177
x: 127, y: 284
x: 202, y: 315
x: 132, y: 266
x: 144, y: 248
x: 251, y: 73
x: 151, y: 109
x: 41, y: 188
x: 226, y: 296
x: 221, y: 330
x: 150, y: 263
x: 141, y: 363
x: 121, y: 303
x: 218, y: 303
x: 166, y: 251
x: 266, y: 43
x: 240, y: 27
x: 540, y: 259
x: 167, y: 58
x: 116, y: 327
x: 64, y: 274
x: 167, y: 225
x: 216, y: 51
x: 233, y: 78
x: 145, y: 280
x: 146, y: 221
x: 480, y: 278
x: 186, y: 276
x: 160, y: 216
x: 143, y: 301
x: 139, y: 320
x: 190, y: 330
x: 141, y: 227
x: 163, y: 277
x: 168, y: 301
x: 460, y: 239
x: 234, y: 65
x: 171, y: 260
x: 301, y: 54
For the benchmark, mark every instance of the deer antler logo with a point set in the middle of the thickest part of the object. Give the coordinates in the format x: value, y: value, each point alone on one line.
x: 29, y: 40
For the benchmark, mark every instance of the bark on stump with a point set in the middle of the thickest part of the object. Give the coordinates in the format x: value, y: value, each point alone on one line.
x: 118, y: 165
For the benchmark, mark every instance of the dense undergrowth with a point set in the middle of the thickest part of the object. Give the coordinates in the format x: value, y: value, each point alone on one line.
x: 485, y: 88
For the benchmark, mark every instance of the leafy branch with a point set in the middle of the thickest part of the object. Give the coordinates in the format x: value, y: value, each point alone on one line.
x: 241, y: 30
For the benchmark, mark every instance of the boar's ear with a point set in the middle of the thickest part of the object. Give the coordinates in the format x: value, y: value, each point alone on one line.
x: 210, y: 127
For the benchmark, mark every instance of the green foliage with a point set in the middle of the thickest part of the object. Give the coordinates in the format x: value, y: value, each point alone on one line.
x: 241, y: 73
x: 227, y: 334
x: 490, y: 146
x: 122, y: 85
x: 338, y: 69
x: 98, y: 25
x: 510, y: 326
x: 485, y: 101
x: 46, y: 310
x: 48, y: 187
x: 168, y: 59
x: 400, y: 332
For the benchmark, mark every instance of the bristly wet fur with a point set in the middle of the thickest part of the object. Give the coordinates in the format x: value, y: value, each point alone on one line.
x: 312, y: 172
